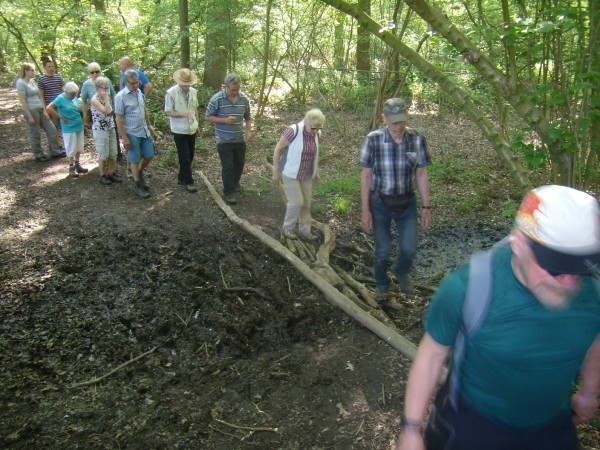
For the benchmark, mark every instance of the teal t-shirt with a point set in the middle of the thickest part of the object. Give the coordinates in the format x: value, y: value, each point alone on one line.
x: 520, y: 366
x: 71, y: 110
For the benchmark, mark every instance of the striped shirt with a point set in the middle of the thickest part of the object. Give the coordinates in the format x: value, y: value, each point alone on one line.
x: 52, y: 86
x: 132, y: 106
x: 394, y: 164
x: 308, y: 152
x: 221, y: 106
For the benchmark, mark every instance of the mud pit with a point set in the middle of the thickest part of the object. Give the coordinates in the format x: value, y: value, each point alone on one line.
x: 92, y: 277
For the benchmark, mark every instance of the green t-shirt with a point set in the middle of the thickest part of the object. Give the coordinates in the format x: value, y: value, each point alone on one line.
x: 520, y: 366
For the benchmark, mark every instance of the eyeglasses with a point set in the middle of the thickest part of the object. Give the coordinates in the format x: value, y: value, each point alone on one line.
x: 316, y: 128
x: 92, y: 72
x: 133, y: 83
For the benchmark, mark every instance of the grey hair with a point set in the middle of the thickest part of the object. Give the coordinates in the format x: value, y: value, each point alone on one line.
x: 131, y: 75
x: 232, y: 78
x: 101, y: 82
x: 314, y: 117
x: 71, y: 87
x: 94, y: 66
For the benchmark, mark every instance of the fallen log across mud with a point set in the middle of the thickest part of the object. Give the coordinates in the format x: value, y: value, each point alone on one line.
x: 335, y: 297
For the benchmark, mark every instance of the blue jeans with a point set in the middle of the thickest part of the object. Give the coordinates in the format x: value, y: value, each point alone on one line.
x: 406, y: 226
x: 233, y: 158
x: 186, y: 146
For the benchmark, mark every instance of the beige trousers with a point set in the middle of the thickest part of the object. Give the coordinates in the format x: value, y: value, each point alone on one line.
x: 299, y: 195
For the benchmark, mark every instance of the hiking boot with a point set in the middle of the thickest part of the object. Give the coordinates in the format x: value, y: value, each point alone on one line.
x: 42, y: 159
x: 114, y: 178
x: 143, y: 183
x: 381, y: 294
x: 191, y: 188
x: 129, y: 174
x: 392, y: 305
x: 290, y: 234
x: 307, y: 236
x: 73, y: 172
x: 231, y: 199
x: 59, y: 155
x: 80, y: 169
x: 104, y: 180
x: 405, y: 284
x: 141, y: 192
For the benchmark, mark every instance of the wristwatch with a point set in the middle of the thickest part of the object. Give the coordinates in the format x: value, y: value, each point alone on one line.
x: 405, y: 423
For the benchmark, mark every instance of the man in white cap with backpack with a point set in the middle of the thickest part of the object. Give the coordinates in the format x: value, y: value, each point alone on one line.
x: 521, y: 323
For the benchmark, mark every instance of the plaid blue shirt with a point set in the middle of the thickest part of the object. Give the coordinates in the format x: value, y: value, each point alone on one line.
x: 394, y: 164
x: 132, y: 106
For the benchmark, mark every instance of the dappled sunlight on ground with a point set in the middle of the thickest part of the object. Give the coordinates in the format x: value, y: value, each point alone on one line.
x: 53, y: 174
x: 8, y: 120
x: 26, y: 228
x: 7, y: 199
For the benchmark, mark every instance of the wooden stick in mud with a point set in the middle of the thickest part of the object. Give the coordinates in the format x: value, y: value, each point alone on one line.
x: 122, y: 366
x: 331, y: 294
x: 240, y: 427
x: 248, y: 289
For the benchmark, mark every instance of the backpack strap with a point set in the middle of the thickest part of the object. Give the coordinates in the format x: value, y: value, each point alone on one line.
x: 475, y: 308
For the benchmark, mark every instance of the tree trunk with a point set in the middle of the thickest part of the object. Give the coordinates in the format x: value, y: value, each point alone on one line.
x: 363, y: 45
x: 339, y: 43
x: 184, y: 31
x: 216, y: 56
x: 262, y: 97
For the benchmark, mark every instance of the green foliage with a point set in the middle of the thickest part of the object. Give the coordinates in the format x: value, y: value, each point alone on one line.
x: 318, y: 209
x: 341, y: 206
x: 533, y: 155
x: 169, y: 158
x: 509, y: 209
x: 339, y: 192
x: 457, y: 172
x: 349, y: 186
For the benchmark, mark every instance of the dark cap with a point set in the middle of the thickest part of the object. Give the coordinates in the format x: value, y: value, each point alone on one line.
x: 394, y: 110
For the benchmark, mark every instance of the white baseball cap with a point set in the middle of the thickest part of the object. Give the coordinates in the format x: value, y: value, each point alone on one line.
x: 563, y: 225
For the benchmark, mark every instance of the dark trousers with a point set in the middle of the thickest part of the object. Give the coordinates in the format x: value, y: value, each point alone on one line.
x: 186, y: 146
x: 467, y: 429
x: 233, y: 157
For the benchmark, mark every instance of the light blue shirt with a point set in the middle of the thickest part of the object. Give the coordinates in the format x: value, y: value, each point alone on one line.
x: 132, y: 106
x: 70, y: 109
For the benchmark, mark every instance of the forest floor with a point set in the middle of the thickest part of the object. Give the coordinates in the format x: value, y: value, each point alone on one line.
x: 93, y: 277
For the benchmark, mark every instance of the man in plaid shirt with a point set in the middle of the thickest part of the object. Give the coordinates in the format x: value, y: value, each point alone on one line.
x: 394, y: 159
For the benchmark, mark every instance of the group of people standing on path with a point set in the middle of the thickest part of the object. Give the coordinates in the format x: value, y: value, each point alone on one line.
x: 52, y: 104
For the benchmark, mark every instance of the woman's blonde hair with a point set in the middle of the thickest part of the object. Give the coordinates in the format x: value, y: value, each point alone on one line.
x: 25, y: 67
x: 94, y: 66
x: 314, y: 117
